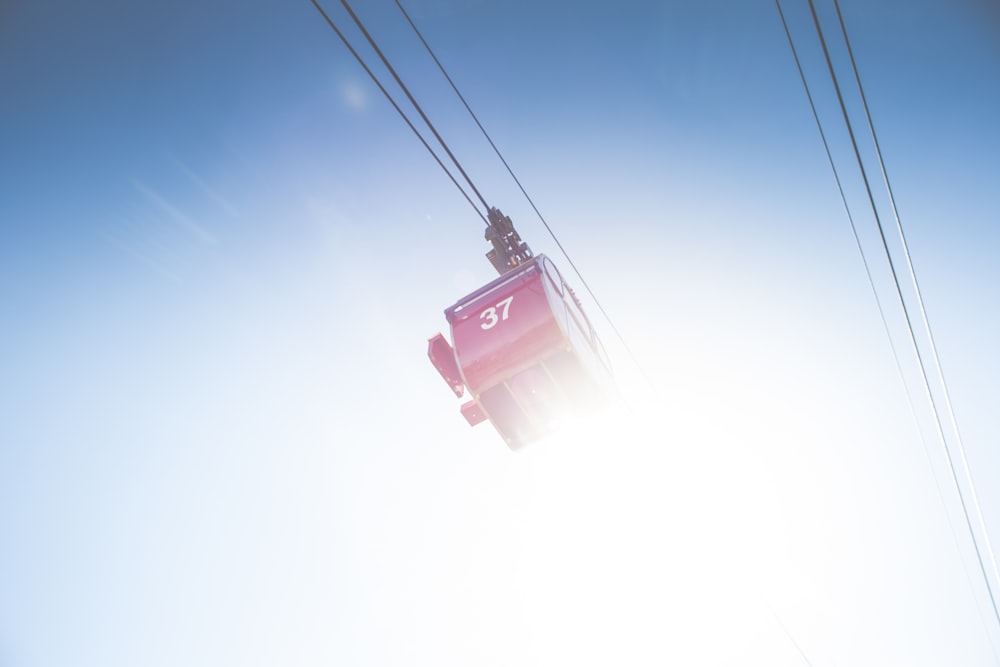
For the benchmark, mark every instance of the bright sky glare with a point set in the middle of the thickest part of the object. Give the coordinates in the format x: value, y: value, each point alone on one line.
x: 223, y: 252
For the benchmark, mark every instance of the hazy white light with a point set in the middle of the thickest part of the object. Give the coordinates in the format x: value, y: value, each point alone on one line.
x: 355, y: 96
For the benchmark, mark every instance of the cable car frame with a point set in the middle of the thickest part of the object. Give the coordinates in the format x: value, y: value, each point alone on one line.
x: 526, y: 352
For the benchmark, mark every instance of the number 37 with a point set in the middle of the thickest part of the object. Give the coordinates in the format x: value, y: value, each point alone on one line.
x: 490, y: 314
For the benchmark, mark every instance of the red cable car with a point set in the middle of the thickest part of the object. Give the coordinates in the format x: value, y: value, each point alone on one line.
x: 525, y: 350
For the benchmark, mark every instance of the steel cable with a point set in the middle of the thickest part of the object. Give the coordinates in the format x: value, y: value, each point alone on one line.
x: 902, y: 302
x: 396, y: 106
x: 413, y: 101
x: 871, y: 282
x: 920, y: 301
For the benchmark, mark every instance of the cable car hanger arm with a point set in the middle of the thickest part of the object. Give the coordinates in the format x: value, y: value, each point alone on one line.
x: 509, y: 251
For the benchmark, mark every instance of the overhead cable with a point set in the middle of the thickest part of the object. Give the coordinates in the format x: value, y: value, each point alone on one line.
x: 920, y: 302
x: 902, y: 302
x: 871, y: 283
x: 413, y: 101
x: 396, y: 106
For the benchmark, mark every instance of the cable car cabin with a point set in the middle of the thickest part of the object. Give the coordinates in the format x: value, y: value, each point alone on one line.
x: 526, y: 352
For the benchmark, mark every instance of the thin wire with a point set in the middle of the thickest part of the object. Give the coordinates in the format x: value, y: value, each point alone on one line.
x: 778, y: 620
x: 843, y: 198
x: 906, y: 314
x: 857, y: 238
x: 920, y: 300
x: 510, y: 171
x: 396, y: 106
x: 413, y: 101
x: 878, y: 300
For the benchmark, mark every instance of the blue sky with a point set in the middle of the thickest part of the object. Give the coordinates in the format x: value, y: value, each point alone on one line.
x: 223, y: 252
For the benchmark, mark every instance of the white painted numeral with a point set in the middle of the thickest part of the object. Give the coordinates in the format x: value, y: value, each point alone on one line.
x: 491, y: 318
x: 506, y: 306
x: 490, y: 314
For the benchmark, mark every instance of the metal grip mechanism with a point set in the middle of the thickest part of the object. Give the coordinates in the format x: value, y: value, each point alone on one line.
x: 509, y: 251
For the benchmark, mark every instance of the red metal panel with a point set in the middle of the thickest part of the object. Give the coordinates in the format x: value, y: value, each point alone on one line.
x: 503, y: 328
x: 525, y: 351
x: 443, y: 358
x: 473, y: 413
